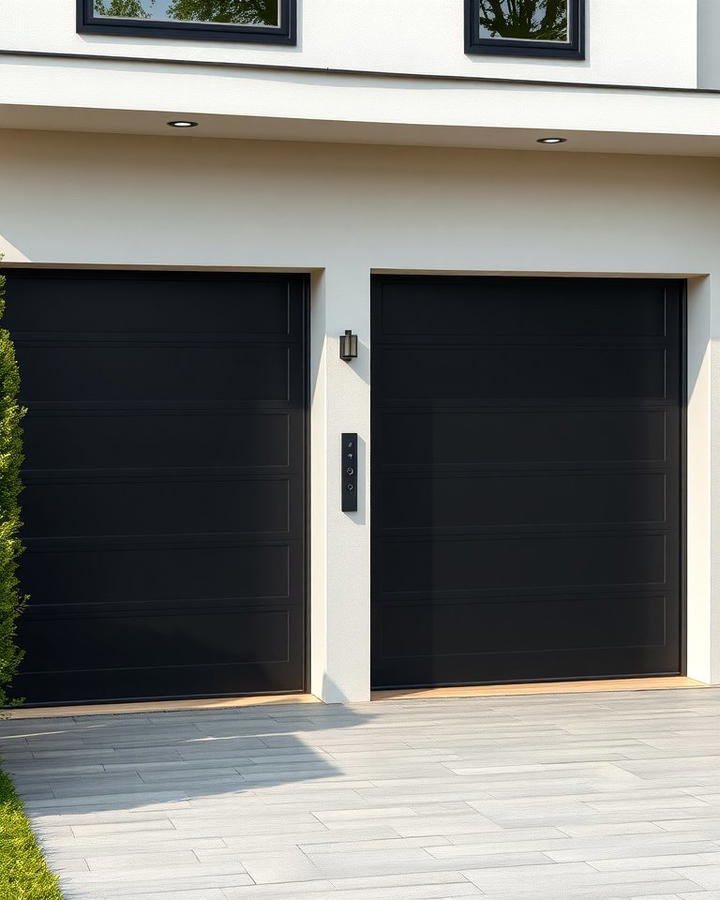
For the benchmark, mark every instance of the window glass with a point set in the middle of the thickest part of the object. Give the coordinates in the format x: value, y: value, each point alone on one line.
x: 231, y: 12
x: 524, y: 20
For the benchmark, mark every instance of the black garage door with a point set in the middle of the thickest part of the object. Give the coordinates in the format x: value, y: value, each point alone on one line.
x: 164, y: 503
x: 526, y: 479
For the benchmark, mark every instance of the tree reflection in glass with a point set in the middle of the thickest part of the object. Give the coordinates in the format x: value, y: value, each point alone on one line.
x: 235, y: 12
x: 528, y: 20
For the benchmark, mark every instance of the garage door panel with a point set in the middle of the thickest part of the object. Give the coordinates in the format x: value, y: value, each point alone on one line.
x: 517, y: 310
x: 214, y: 638
x: 493, y: 668
x: 73, y: 509
x: 526, y: 499
x: 529, y: 372
x: 154, y: 575
x: 163, y: 304
x: 164, y: 501
x: 169, y: 681
x: 153, y: 439
x: 560, y: 437
x: 526, y: 495
x: 545, y: 561
x: 155, y: 373
x: 507, y: 625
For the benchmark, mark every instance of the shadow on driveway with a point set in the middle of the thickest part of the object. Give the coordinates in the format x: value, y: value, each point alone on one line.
x: 133, y: 761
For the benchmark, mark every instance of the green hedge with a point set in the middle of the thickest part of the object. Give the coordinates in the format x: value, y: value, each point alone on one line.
x: 24, y: 874
x: 11, y: 457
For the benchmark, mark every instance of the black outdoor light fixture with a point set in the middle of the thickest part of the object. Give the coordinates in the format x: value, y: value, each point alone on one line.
x: 182, y: 123
x: 348, y: 346
x: 552, y: 140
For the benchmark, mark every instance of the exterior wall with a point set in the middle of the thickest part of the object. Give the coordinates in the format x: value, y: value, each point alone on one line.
x: 709, y: 44
x: 343, y: 211
x: 646, y: 42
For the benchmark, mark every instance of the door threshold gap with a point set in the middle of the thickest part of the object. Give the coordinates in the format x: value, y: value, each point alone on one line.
x: 546, y: 687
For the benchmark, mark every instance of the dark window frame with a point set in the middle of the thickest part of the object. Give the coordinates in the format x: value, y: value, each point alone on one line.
x: 286, y: 33
x: 573, y: 49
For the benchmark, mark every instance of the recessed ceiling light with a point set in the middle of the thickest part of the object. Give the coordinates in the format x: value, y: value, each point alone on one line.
x: 552, y: 140
x: 182, y: 123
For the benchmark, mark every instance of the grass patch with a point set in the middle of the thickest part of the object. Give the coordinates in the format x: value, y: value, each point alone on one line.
x: 24, y: 874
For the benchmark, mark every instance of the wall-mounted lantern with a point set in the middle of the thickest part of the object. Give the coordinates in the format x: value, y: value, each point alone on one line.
x: 348, y: 346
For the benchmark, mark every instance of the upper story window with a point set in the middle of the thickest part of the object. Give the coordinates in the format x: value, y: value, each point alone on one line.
x: 525, y: 27
x: 260, y: 21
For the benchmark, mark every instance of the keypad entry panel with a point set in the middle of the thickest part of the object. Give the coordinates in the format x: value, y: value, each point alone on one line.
x: 348, y: 472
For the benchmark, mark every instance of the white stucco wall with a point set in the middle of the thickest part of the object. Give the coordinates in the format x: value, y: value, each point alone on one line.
x: 651, y: 42
x: 343, y: 211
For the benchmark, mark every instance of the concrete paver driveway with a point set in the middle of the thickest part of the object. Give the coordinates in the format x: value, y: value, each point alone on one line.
x: 586, y: 795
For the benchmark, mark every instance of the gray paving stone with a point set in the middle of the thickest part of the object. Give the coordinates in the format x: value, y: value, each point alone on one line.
x: 596, y: 829
x: 707, y: 876
x: 374, y: 843
x: 706, y: 895
x: 565, y: 877
x: 363, y: 811
x: 279, y: 866
x: 91, y: 802
x: 186, y: 875
x: 614, y: 855
x: 287, y: 891
x: 447, y: 825
x: 675, y: 861
x: 378, y: 882
x: 299, y: 838
x: 643, y: 890
x: 140, y: 827
x: 94, y: 885
x: 508, y: 836
x: 606, y: 796
x: 162, y: 894
x: 101, y: 860
x: 707, y: 826
x: 415, y: 892
x: 340, y: 866
x: 139, y: 844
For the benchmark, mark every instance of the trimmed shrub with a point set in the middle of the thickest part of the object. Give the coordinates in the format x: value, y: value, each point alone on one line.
x: 11, y: 457
x: 24, y: 874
